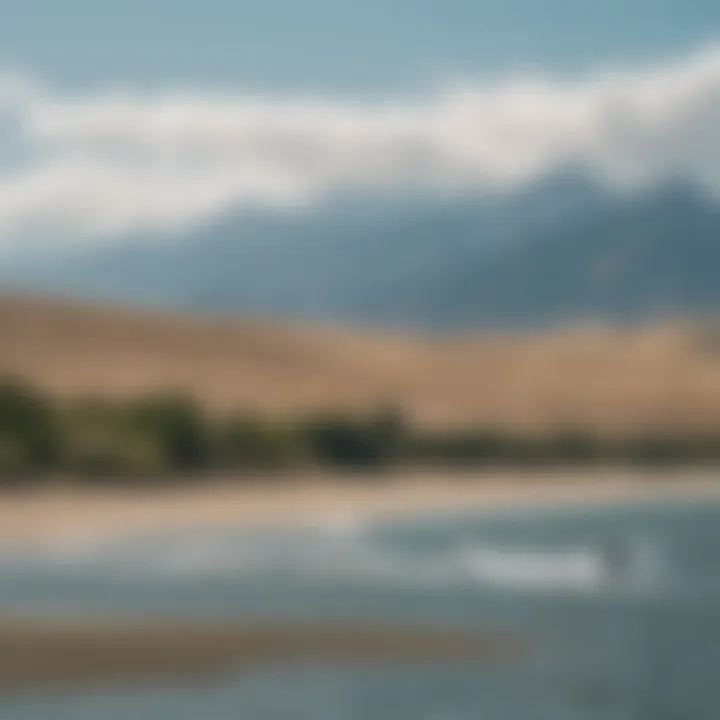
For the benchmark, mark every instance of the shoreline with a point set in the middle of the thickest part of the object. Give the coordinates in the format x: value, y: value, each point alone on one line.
x: 61, y: 513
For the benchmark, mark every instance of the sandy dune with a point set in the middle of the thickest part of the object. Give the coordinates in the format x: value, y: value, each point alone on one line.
x: 659, y: 376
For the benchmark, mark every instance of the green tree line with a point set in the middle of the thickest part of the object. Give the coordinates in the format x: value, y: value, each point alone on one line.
x: 168, y: 434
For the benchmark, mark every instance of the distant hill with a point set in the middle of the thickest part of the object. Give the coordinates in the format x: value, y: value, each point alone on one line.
x: 557, y: 252
x: 658, y: 376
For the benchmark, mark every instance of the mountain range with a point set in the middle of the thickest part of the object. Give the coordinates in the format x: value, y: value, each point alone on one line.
x: 560, y: 251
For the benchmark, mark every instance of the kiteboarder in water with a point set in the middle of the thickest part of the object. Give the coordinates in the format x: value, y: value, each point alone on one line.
x: 614, y: 560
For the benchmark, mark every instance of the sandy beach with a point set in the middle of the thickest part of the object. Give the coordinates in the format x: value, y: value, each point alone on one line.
x: 67, y: 512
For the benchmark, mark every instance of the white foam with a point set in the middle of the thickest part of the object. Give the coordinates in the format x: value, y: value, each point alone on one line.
x: 581, y: 568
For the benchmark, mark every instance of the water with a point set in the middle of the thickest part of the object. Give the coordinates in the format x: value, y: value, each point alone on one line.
x: 621, y: 605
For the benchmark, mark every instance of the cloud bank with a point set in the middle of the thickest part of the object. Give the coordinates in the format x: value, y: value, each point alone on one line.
x: 87, y: 168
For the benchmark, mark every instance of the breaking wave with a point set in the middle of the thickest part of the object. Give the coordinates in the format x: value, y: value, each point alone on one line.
x: 349, y: 552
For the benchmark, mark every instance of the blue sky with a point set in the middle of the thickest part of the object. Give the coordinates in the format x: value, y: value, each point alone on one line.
x: 339, y: 46
x: 127, y: 117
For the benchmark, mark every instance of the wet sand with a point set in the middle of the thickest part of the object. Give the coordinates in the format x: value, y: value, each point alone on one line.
x: 63, y: 654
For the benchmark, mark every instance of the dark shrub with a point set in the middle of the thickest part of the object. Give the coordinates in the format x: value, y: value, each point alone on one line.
x: 169, y: 429
x: 574, y: 447
x: 249, y: 441
x: 655, y: 451
x: 100, y: 442
x: 363, y: 442
x: 28, y: 428
x: 461, y: 447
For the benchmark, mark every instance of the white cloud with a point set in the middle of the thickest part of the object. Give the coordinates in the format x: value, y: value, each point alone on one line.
x: 112, y: 163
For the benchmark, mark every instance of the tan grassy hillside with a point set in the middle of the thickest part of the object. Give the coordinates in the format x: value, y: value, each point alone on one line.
x: 660, y: 376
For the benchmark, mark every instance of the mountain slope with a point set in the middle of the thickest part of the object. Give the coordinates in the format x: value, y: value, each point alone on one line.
x: 656, y: 256
x: 557, y: 253
x: 328, y: 264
